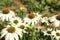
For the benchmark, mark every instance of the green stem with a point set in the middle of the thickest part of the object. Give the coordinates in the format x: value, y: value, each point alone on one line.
x: 52, y: 38
x: 33, y: 35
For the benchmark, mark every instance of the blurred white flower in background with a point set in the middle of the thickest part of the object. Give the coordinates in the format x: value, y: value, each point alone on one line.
x: 48, y: 32
x: 55, y: 20
x: 23, y: 26
x: 45, y: 20
x: 16, y: 21
x: 6, y: 14
x: 56, y: 34
x: 32, y: 18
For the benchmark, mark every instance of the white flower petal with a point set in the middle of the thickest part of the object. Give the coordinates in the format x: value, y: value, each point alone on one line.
x: 19, y: 32
x: 3, y: 34
x: 56, y: 23
x: 7, y: 37
x: 11, y: 37
x: 16, y: 36
x: 57, y: 37
x: 3, y: 30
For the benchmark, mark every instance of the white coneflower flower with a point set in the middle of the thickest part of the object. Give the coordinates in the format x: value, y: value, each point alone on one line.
x: 32, y: 18
x: 48, y: 32
x: 16, y: 21
x: 23, y: 26
x: 56, y: 34
x: 11, y: 33
x: 45, y: 20
x: 56, y: 20
x: 6, y: 13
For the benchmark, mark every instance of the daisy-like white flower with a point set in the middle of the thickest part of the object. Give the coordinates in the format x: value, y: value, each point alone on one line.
x: 6, y: 14
x: 56, y: 20
x: 11, y: 33
x: 56, y: 34
x: 23, y: 26
x: 45, y: 20
x: 48, y: 31
x: 32, y: 18
x: 16, y: 21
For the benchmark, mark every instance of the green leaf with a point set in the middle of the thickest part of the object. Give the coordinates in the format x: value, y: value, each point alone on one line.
x: 20, y: 13
x: 49, y: 1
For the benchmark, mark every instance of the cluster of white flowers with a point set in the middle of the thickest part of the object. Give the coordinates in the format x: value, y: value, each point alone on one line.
x: 17, y: 25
